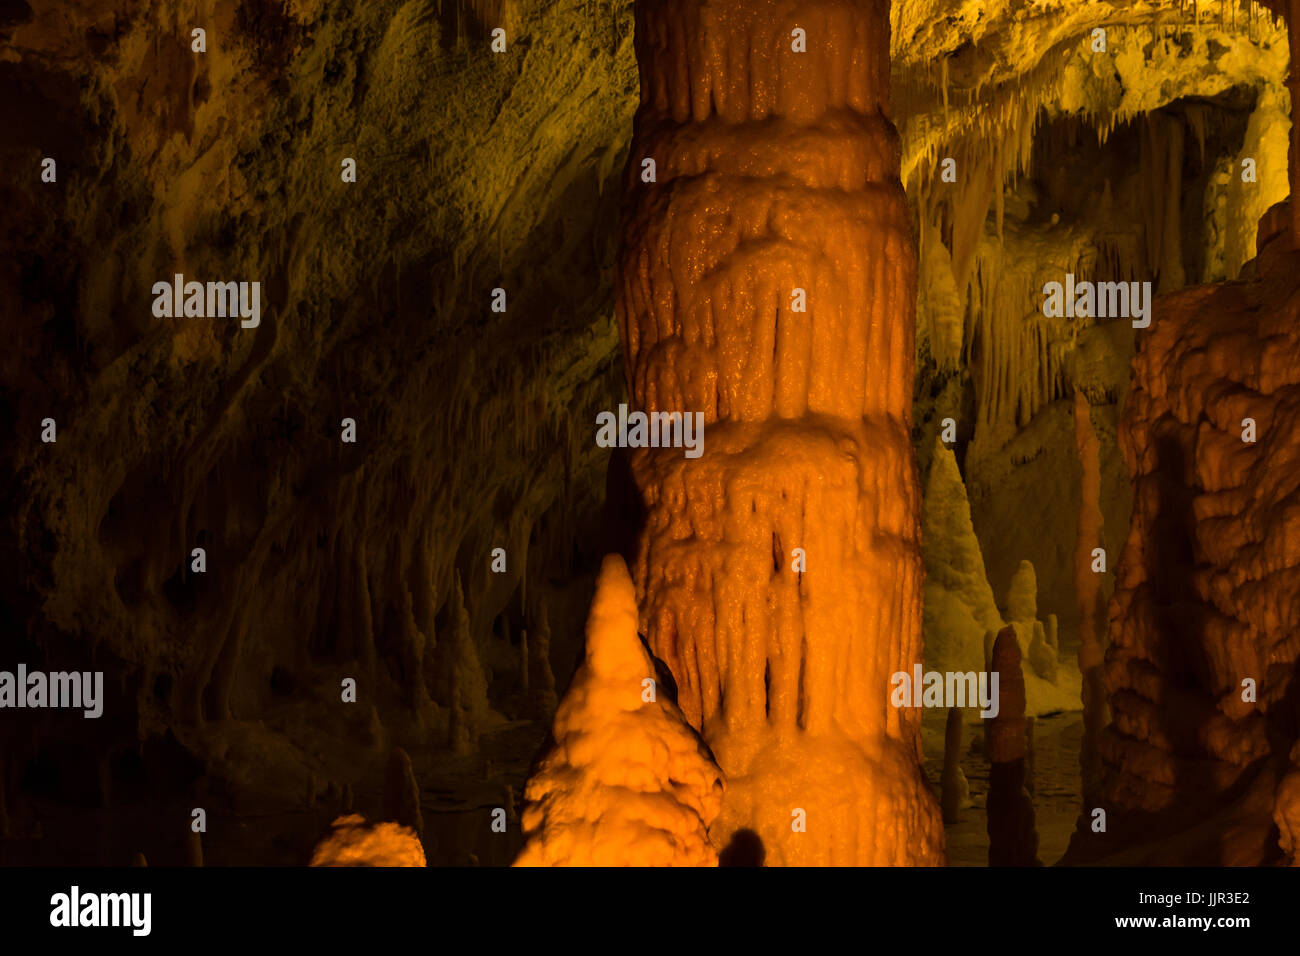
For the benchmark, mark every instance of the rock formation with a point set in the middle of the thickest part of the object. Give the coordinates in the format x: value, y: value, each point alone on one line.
x: 352, y: 465
x: 402, y: 793
x: 1200, y: 671
x: 354, y: 842
x: 954, y: 789
x: 1286, y: 812
x: 541, y: 679
x: 1087, y: 585
x: 959, y: 605
x: 1013, y: 841
x: 325, y: 559
x: 767, y: 279
x: 628, y: 782
x: 961, y: 619
x: 462, y: 675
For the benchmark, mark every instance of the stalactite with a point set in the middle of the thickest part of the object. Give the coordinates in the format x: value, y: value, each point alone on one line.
x: 783, y: 175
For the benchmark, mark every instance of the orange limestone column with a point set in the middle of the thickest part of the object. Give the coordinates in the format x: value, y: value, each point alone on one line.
x: 767, y: 276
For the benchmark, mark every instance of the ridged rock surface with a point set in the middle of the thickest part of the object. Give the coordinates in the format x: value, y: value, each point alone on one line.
x: 778, y: 170
x: 1208, y: 591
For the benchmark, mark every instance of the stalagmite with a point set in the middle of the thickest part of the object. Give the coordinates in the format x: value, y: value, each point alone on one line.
x: 466, y: 687
x: 402, y: 793
x: 954, y: 787
x: 961, y: 619
x: 628, y: 782
x: 1042, y: 655
x: 960, y: 610
x: 1022, y: 596
x: 1013, y: 841
x: 193, y: 849
x: 777, y: 172
x: 354, y: 842
x: 541, y: 680
x: 1087, y: 587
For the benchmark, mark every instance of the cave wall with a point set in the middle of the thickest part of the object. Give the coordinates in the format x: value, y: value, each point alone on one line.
x: 325, y: 559
x: 1200, y: 674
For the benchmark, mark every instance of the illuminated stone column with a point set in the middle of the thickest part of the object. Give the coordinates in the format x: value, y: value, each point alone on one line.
x: 767, y: 279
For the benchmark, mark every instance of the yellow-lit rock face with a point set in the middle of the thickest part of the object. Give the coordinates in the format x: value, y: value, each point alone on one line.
x: 628, y: 782
x: 777, y: 171
x: 327, y: 560
x: 353, y: 842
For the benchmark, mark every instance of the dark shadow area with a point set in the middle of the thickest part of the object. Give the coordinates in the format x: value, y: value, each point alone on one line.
x: 745, y: 849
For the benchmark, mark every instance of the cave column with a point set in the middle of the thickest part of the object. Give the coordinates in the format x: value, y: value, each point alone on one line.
x: 767, y: 274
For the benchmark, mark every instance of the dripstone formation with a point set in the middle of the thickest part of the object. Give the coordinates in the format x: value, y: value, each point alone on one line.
x: 767, y: 278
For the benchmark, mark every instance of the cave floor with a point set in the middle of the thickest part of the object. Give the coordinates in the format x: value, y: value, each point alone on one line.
x: 458, y: 795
